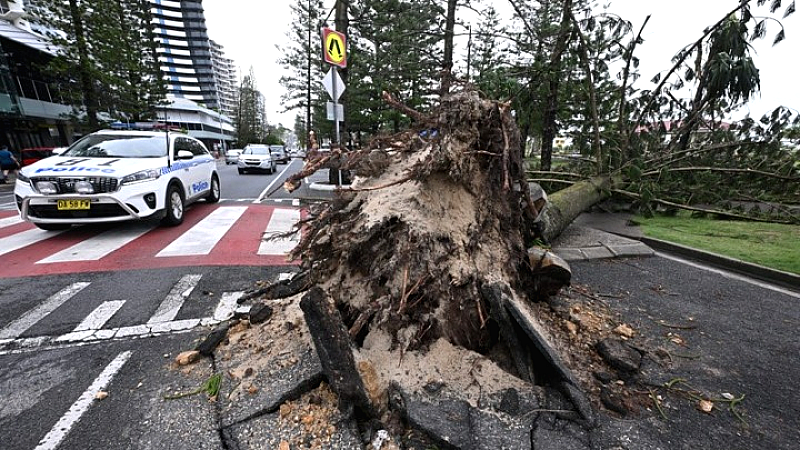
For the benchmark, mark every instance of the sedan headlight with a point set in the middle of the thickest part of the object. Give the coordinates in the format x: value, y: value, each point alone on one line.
x: 138, y: 177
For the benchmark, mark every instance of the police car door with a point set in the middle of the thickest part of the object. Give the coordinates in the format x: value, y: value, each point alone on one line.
x: 202, y: 166
x: 182, y: 168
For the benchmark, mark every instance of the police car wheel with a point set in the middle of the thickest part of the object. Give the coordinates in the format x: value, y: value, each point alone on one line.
x: 53, y: 226
x: 213, y: 193
x: 174, y: 206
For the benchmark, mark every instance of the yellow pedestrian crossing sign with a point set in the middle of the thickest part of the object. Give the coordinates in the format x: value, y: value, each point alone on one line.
x: 334, y: 47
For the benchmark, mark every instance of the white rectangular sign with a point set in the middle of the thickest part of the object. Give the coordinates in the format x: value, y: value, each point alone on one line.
x: 339, y: 111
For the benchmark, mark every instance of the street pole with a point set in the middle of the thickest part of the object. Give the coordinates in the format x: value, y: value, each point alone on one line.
x: 308, y: 86
x: 336, y: 118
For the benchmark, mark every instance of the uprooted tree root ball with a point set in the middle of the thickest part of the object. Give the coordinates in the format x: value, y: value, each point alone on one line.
x: 433, y: 214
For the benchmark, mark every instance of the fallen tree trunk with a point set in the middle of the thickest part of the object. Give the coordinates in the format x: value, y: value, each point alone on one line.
x: 565, y: 205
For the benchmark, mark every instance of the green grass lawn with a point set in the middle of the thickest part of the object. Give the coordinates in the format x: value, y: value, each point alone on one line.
x: 768, y: 244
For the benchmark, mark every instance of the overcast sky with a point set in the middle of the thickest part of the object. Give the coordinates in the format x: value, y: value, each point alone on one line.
x: 250, y: 30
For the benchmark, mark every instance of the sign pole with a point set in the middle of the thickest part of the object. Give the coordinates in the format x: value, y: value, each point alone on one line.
x: 335, y: 106
x: 336, y: 116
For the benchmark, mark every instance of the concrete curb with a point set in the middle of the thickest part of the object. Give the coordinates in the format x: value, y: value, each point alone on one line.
x: 785, y: 279
x: 317, y: 186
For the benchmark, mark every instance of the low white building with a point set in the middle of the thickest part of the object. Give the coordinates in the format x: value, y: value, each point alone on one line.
x: 214, y: 129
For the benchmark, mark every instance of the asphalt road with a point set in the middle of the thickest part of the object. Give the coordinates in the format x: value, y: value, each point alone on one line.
x: 52, y: 371
x: 738, y: 336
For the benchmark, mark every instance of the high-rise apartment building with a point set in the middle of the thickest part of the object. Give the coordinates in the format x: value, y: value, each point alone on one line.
x: 225, y: 77
x: 184, y: 50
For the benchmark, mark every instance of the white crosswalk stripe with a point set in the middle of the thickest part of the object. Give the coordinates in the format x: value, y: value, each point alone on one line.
x: 92, y: 328
x: 24, y: 239
x: 227, y: 305
x: 9, y: 221
x: 282, y: 221
x: 201, y: 238
x: 172, y: 303
x: 97, y: 318
x: 19, y: 326
x: 101, y: 245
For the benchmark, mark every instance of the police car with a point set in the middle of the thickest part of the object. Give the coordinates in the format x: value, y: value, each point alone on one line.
x: 112, y: 175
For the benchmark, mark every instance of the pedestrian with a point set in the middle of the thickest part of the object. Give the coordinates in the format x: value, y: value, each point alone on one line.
x: 8, y: 163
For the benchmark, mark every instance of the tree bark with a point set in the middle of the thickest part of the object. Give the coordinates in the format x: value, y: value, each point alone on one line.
x: 449, y: 31
x: 565, y: 205
x: 554, y: 83
x: 332, y: 342
x: 84, y: 66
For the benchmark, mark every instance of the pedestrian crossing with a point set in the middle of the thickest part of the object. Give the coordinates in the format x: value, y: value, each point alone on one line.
x: 25, y: 334
x: 238, y: 234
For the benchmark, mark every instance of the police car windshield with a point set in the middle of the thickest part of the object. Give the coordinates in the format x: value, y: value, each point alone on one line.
x: 119, y: 146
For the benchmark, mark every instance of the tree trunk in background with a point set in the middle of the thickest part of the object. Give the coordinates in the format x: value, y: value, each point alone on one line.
x: 449, y: 31
x: 84, y: 70
x: 565, y: 205
x: 554, y: 81
x: 342, y: 25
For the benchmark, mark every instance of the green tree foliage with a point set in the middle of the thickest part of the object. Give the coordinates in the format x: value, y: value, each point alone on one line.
x: 400, y: 52
x: 302, y: 59
x: 128, y: 59
x: 248, y: 116
x: 104, y: 47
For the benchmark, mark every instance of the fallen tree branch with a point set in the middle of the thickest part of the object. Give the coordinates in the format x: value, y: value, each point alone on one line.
x: 550, y: 180
x: 550, y: 172
x: 717, y: 212
x: 723, y: 170
x: 415, y: 115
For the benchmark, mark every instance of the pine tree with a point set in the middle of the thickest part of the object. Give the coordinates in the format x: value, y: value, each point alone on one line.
x: 248, y: 115
x: 104, y: 46
x: 302, y: 58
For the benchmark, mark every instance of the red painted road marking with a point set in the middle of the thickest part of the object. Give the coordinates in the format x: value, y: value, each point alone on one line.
x: 239, y: 246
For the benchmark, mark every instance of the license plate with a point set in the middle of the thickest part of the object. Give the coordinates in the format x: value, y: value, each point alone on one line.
x: 69, y: 205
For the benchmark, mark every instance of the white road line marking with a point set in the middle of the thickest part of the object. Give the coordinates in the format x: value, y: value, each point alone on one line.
x: 174, y: 300
x: 9, y: 221
x: 81, y: 338
x: 27, y: 320
x: 24, y: 239
x: 731, y: 275
x: 227, y: 305
x: 201, y: 238
x: 79, y: 408
x: 283, y: 276
x: 282, y: 220
x: 101, y: 245
x: 268, y: 189
x: 97, y: 318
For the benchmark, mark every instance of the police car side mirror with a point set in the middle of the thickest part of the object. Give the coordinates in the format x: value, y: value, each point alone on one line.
x: 185, y: 154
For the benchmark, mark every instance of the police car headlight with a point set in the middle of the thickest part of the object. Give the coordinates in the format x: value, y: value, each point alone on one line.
x: 84, y: 187
x: 46, y: 187
x: 138, y: 177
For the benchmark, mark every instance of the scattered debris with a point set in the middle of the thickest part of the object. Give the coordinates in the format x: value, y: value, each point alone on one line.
x: 211, y: 387
x: 625, y: 331
x: 260, y: 313
x: 187, y: 357
x: 207, y: 346
x: 101, y: 395
x: 705, y: 405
